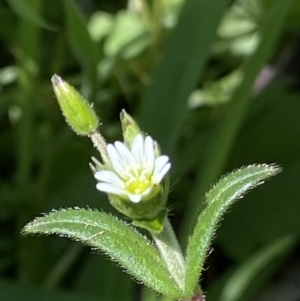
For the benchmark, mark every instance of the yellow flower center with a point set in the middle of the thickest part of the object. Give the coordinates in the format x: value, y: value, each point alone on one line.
x: 138, y: 180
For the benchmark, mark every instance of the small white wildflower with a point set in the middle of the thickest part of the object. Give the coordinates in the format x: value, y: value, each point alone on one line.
x: 137, y: 171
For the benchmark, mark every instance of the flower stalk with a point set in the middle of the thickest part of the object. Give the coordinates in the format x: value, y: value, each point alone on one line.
x: 100, y: 144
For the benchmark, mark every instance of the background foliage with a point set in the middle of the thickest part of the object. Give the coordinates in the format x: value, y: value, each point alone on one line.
x: 216, y: 82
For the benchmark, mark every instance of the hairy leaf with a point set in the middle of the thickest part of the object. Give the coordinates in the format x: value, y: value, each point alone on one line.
x: 218, y: 200
x: 115, y: 238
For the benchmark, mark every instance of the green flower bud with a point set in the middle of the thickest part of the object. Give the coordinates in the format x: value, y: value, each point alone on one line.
x: 77, y: 111
x: 129, y: 127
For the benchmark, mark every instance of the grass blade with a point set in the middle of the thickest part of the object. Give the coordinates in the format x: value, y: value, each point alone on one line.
x: 247, y: 278
x: 184, y: 58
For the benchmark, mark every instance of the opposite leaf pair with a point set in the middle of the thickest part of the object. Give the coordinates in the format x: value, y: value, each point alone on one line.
x: 135, y: 252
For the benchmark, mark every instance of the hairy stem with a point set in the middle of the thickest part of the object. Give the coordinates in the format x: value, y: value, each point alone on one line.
x: 171, y: 253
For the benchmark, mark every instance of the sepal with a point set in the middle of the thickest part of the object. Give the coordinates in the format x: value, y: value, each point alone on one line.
x: 144, y: 210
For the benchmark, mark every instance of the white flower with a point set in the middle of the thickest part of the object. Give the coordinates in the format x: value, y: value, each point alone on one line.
x: 137, y: 171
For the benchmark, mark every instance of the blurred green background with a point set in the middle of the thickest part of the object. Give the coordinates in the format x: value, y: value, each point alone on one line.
x: 217, y: 84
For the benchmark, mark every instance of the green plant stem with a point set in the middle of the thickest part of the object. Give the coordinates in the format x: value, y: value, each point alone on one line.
x: 100, y: 144
x: 171, y: 253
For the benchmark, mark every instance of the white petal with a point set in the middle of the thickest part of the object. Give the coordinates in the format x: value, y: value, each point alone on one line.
x: 137, y: 149
x: 159, y: 176
x: 149, y: 155
x: 124, y: 153
x: 108, y: 188
x: 132, y: 166
x: 161, y: 168
x: 116, y: 160
x: 109, y: 177
x: 135, y: 198
x: 160, y: 162
x: 157, y: 150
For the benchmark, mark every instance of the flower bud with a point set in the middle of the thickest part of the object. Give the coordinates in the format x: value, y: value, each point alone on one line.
x: 129, y: 127
x: 77, y: 111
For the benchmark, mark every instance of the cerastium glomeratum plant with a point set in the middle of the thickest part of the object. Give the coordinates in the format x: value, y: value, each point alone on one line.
x: 134, y: 175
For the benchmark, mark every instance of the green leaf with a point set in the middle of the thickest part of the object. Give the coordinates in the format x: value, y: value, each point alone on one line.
x: 83, y: 46
x: 218, y: 200
x: 242, y: 284
x: 25, y: 11
x: 184, y: 60
x: 99, y: 25
x: 216, y: 92
x: 239, y: 28
x: 120, y: 241
x: 129, y: 36
x: 271, y: 210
